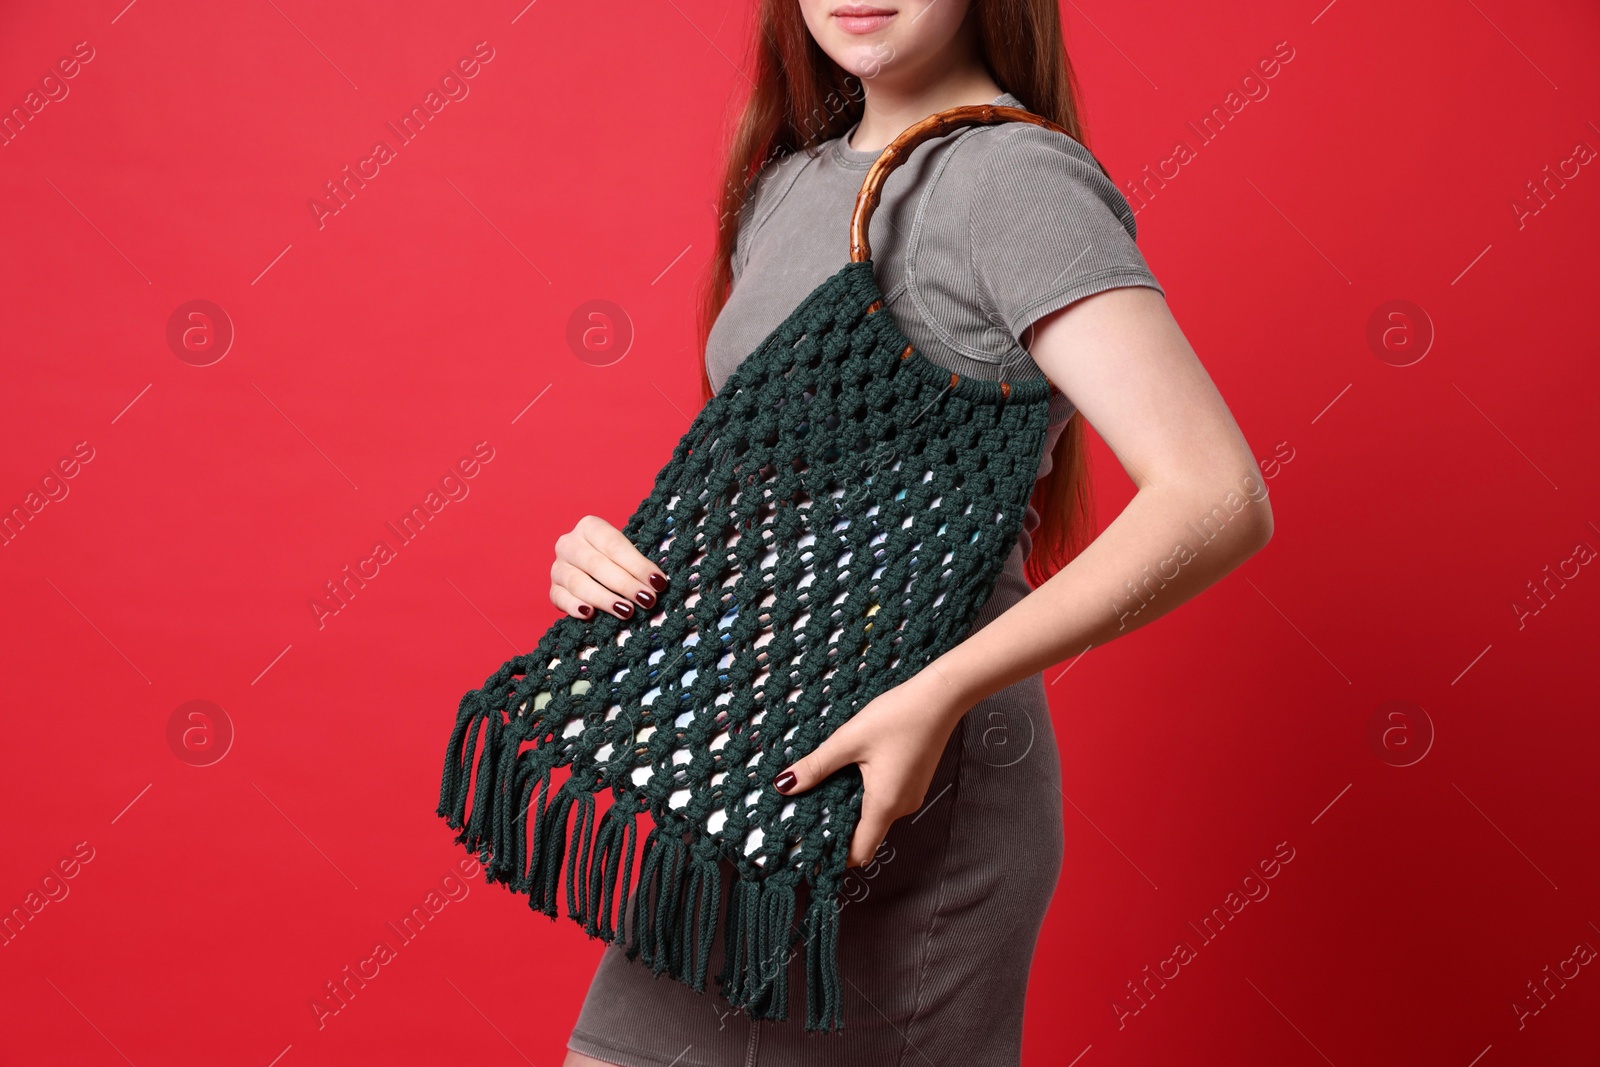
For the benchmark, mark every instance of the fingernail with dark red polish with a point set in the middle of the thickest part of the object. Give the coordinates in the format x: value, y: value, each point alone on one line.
x: 585, y: 610
x: 623, y: 608
x: 658, y: 580
x: 647, y: 599
x: 784, y: 782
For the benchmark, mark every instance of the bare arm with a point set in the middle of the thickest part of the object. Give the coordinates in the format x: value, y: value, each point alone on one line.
x: 1199, y: 512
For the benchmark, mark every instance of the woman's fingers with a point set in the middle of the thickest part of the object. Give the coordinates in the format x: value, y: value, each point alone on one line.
x: 876, y: 813
x: 834, y: 752
x: 578, y: 582
x: 600, y: 551
x: 578, y: 551
x: 871, y: 829
x: 567, y: 601
x: 591, y: 573
x: 620, y: 551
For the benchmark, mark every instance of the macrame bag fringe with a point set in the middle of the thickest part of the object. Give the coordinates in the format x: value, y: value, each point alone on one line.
x: 533, y: 840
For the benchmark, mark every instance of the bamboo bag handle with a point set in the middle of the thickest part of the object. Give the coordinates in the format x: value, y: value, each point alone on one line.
x: 900, y: 149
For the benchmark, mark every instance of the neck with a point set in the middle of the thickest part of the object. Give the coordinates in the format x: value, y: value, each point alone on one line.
x: 892, y: 105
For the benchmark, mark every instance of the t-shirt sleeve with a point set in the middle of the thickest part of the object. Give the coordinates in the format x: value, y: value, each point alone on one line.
x: 753, y: 214
x: 741, y: 241
x: 1047, y: 228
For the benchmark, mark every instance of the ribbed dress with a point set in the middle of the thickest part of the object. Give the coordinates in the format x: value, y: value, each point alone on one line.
x: 978, y: 235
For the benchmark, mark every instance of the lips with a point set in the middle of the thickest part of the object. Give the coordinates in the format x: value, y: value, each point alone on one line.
x: 862, y: 18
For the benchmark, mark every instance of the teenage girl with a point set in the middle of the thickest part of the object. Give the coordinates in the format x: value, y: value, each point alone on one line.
x: 1002, y: 252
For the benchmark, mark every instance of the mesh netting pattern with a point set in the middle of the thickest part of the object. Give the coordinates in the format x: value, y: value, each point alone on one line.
x: 832, y: 521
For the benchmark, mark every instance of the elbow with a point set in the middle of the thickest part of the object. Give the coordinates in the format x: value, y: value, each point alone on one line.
x: 1264, y: 527
x: 1259, y: 526
x: 1251, y: 506
x: 1238, y: 520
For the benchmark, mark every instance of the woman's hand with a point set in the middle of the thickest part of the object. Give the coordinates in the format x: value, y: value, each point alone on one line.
x: 597, y: 567
x: 897, y: 740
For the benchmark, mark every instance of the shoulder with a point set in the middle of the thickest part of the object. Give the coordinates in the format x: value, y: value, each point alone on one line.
x: 1011, y: 138
x: 1017, y: 165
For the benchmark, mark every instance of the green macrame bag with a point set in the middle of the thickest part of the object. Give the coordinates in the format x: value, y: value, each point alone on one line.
x: 830, y: 523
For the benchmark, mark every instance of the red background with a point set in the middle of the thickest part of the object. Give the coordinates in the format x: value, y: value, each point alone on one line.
x: 429, y: 313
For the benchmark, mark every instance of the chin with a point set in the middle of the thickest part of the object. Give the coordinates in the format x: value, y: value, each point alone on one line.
x: 864, y: 58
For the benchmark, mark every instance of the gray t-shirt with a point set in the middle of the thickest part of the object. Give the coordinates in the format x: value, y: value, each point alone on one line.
x: 978, y: 235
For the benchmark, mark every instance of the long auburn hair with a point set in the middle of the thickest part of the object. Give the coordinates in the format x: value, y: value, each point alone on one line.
x: 801, y: 98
